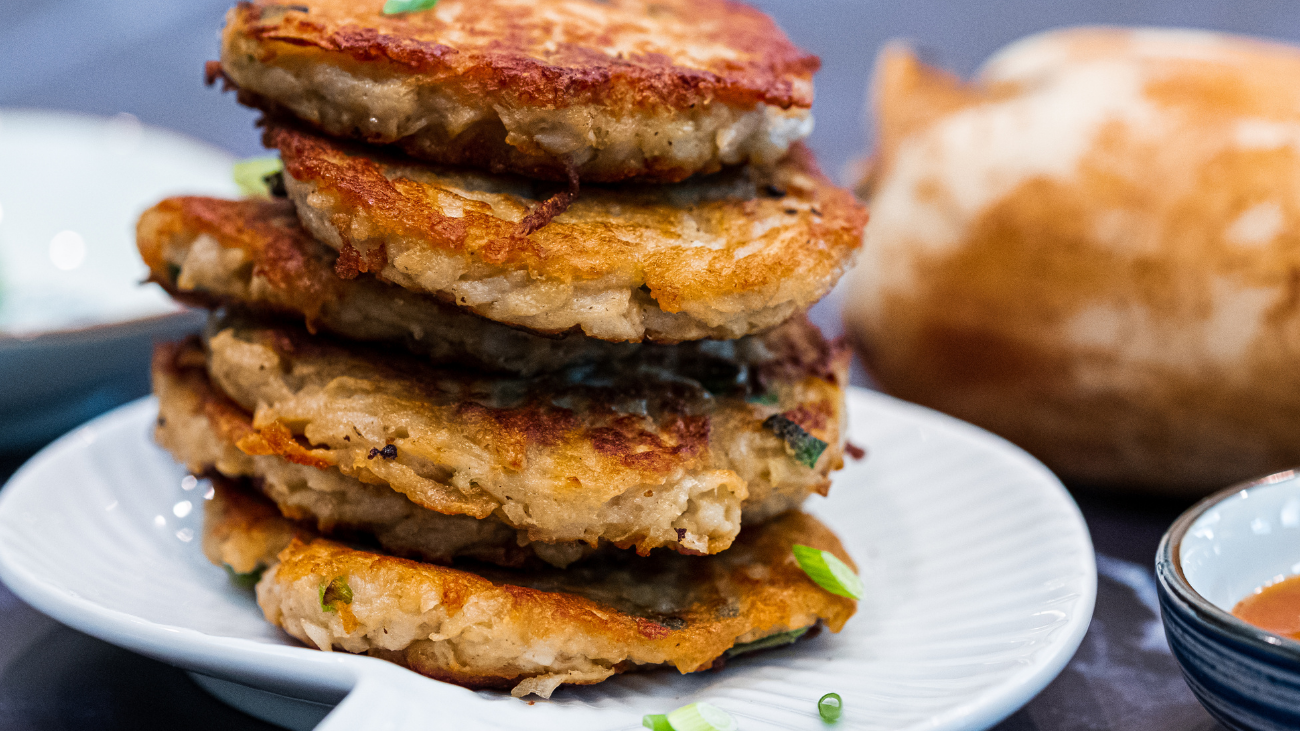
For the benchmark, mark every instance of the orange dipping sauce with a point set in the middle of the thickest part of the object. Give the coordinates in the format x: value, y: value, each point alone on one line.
x: 1275, y: 608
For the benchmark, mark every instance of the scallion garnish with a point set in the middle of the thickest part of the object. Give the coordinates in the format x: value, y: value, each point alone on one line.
x: 333, y: 591
x: 397, y: 7
x: 776, y: 640
x: 830, y: 707
x: 766, y: 399
x: 828, y: 571
x: 701, y: 717
x: 250, y: 175
x: 804, y: 447
x: 245, y: 580
x: 656, y: 722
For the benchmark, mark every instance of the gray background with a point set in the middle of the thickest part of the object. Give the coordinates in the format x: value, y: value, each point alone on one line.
x: 145, y: 57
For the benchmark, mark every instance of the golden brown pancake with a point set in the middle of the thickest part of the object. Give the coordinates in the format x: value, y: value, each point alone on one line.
x: 721, y: 256
x: 210, y: 252
x: 605, y: 91
x: 530, y: 631
x: 203, y: 430
x: 672, y: 448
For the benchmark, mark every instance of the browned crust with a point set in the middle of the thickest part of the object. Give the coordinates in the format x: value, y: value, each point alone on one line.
x: 679, y: 437
x: 299, y: 277
x: 399, y: 208
x: 178, y: 371
x: 185, y: 362
x: 675, y: 439
x: 243, y: 530
x: 572, y: 433
x: 508, y: 50
x: 753, y: 589
x: 266, y: 230
x: 483, y: 145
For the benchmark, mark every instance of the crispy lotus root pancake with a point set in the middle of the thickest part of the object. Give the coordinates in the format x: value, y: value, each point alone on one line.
x: 203, y: 430
x: 672, y: 448
x: 718, y: 257
x: 554, y: 88
x: 243, y: 531
x: 532, y: 631
x: 253, y: 252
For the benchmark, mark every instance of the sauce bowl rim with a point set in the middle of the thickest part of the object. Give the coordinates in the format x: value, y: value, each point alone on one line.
x: 1169, y: 573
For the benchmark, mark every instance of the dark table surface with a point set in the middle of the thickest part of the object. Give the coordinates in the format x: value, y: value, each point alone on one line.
x: 145, y: 57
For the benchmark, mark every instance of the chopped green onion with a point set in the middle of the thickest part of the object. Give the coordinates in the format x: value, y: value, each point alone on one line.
x: 246, y: 580
x: 830, y: 707
x: 804, y: 447
x: 173, y: 272
x: 336, y: 590
x: 766, y: 399
x: 656, y: 722
x: 397, y: 7
x: 776, y: 640
x: 250, y: 175
x: 828, y: 571
x: 701, y: 717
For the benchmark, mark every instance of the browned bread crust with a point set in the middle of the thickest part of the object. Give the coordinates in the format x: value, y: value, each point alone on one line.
x: 1092, y: 249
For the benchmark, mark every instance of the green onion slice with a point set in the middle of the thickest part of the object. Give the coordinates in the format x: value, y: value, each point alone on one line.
x: 828, y: 571
x: 656, y: 722
x: 766, y: 399
x: 335, y: 590
x: 776, y: 640
x: 830, y: 707
x: 701, y: 717
x: 250, y: 174
x: 804, y: 447
x: 246, y: 580
x: 397, y: 7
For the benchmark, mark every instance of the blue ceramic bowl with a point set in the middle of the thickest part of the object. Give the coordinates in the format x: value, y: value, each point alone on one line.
x: 1214, y: 555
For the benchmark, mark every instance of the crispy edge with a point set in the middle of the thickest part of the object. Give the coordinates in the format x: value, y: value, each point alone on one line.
x: 581, y: 76
x: 267, y: 231
x: 397, y: 209
x: 772, y: 592
x: 681, y: 437
x: 185, y: 361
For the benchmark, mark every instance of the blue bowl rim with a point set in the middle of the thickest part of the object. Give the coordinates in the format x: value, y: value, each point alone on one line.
x: 1169, y: 572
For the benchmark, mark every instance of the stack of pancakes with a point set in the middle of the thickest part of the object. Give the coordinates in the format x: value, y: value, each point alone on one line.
x: 493, y: 386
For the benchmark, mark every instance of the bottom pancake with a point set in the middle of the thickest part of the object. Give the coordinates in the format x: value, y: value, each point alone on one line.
x: 530, y: 631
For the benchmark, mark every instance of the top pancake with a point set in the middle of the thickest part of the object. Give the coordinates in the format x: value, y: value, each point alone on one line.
x: 720, y: 256
x: 608, y: 90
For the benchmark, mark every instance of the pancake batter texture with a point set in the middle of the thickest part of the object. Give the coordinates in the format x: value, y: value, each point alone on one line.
x: 602, y: 91
x: 527, y: 631
x: 508, y: 378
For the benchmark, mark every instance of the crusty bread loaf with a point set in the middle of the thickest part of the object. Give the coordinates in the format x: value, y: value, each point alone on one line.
x: 1093, y: 249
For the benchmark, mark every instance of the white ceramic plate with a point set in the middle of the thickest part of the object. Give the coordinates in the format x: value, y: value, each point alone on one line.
x: 979, y: 570
x: 76, y: 325
x: 71, y: 189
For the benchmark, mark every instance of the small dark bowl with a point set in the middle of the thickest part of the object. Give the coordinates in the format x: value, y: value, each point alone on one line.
x: 1214, y: 555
